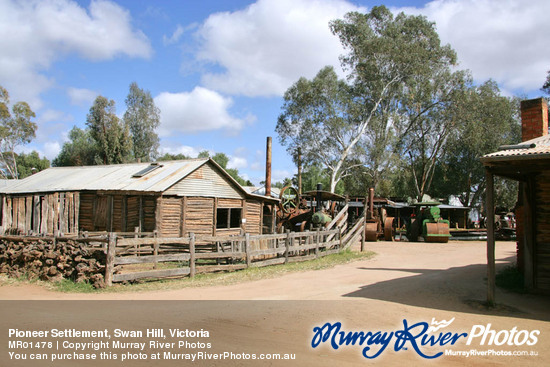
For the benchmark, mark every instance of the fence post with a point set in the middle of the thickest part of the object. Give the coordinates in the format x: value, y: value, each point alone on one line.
x: 155, y: 252
x: 192, y: 255
x: 340, y: 244
x: 317, y: 240
x: 110, y: 260
x: 247, y: 249
x: 287, y: 245
x: 363, y: 236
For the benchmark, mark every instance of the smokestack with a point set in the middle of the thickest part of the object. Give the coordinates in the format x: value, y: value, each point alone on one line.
x: 268, y: 167
x: 371, y: 203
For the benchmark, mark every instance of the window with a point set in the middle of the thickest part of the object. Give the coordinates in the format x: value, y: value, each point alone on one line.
x: 228, y: 218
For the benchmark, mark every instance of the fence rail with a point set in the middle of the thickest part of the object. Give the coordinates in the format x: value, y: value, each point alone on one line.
x: 187, y: 256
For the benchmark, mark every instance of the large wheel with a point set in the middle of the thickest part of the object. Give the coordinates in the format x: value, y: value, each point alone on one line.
x: 414, y: 230
x: 289, y: 199
x: 388, y: 229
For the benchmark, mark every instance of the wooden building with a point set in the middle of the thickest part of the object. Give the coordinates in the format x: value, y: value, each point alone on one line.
x: 174, y: 198
x: 528, y: 163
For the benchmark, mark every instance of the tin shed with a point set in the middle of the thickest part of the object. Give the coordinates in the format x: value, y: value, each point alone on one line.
x: 174, y: 198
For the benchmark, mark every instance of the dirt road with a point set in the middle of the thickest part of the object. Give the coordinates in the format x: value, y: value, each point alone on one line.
x: 415, y: 282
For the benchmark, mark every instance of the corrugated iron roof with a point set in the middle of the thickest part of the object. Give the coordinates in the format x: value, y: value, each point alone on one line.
x: 106, y: 178
x: 533, y: 149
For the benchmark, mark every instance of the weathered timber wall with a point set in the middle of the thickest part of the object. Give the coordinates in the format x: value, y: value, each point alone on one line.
x: 41, y: 213
x: 542, y: 232
x: 117, y: 212
x: 253, y: 215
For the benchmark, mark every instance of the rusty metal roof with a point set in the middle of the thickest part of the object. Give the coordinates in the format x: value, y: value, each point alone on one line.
x: 137, y: 177
x: 538, y: 148
x: 106, y: 178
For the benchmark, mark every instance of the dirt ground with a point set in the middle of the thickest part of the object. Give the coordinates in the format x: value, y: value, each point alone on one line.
x: 416, y: 282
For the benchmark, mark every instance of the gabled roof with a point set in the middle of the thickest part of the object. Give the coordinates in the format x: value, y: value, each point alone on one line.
x: 538, y: 148
x: 136, y: 177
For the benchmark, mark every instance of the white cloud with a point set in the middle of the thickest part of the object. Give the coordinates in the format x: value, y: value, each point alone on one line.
x: 270, y: 44
x: 278, y: 175
x: 35, y: 34
x: 186, y: 150
x: 174, y: 37
x: 81, y: 96
x: 195, y: 111
x: 503, y: 40
x: 53, y: 116
x: 237, y: 162
x: 51, y: 149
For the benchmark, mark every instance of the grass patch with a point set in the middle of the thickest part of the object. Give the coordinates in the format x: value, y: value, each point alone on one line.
x: 208, y: 279
x: 511, y: 279
x: 68, y: 286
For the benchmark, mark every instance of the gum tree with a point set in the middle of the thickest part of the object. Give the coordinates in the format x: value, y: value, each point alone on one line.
x: 16, y: 129
x: 386, y: 56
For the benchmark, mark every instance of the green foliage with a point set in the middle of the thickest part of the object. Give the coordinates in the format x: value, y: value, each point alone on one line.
x: 80, y: 150
x: 16, y: 129
x: 28, y: 164
x: 142, y: 118
x: 487, y: 121
x: 111, y: 135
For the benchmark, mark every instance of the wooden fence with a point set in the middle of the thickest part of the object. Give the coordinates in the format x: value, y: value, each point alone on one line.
x: 137, y: 258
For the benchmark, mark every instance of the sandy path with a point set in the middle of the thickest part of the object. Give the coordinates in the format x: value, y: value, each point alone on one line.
x: 411, y: 281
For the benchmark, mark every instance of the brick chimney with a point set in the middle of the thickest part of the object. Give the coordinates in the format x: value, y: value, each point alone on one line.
x: 534, y: 118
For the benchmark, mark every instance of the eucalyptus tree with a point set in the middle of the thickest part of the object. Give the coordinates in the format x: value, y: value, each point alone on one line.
x: 386, y: 56
x: 111, y: 135
x: 16, y: 129
x: 80, y: 150
x: 143, y: 118
x: 318, y: 116
x: 488, y: 120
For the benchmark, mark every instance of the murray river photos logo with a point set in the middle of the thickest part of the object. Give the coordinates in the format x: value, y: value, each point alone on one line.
x: 419, y: 337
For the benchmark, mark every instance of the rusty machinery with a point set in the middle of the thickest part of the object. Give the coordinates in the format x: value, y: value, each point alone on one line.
x: 377, y: 223
x: 427, y: 222
x: 297, y: 212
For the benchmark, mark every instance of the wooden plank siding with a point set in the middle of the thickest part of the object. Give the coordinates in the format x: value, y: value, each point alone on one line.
x: 47, y: 214
x: 199, y: 215
x: 253, y: 216
x: 542, y: 232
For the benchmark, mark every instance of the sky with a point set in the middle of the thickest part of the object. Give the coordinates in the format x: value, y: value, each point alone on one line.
x: 218, y: 69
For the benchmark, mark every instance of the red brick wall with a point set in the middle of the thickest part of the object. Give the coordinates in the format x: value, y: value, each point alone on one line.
x: 534, y: 118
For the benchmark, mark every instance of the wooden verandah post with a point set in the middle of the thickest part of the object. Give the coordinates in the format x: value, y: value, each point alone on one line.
x: 490, y: 215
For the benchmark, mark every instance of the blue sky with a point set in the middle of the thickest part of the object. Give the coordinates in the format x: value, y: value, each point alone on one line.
x: 218, y: 69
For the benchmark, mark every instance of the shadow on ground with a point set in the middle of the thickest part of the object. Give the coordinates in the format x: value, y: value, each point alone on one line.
x: 460, y: 289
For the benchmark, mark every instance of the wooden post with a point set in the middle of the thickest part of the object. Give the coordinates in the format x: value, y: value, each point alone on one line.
x: 192, y: 255
x: 528, y: 240
x: 340, y: 237
x: 317, y: 239
x: 247, y: 249
x: 287, y: 245
x: 110, y: 260
x: 490, y: 212
x: 155, y: 252
x: 363, y: 239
